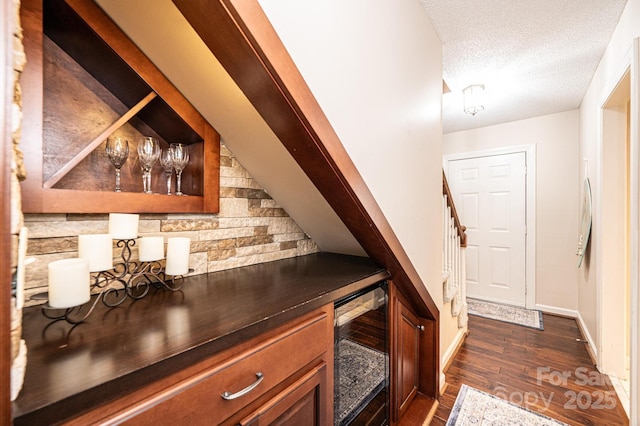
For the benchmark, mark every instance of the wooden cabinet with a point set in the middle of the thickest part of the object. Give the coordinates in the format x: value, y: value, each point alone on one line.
x: 172, y: 355
x: 85, y: 81
x: 282, y: 377
x: 299, y: 404
x: 408, y: 360
x: 406, y: 368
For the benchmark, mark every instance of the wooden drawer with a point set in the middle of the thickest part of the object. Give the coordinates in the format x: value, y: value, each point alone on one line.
x: 199, y: 400
x: 301, y: 403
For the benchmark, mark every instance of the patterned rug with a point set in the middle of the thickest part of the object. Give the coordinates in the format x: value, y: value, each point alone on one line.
x: 474, y: 407
x: 507, y: 313
x: 360, y: 374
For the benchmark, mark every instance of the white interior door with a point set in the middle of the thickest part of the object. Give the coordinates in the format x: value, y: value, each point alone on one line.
x: 490, y: 195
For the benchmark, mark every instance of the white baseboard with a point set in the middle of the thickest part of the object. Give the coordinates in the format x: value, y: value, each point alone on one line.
x: 449, y: 354
x: 590, y: 342
x: 571, y: 313
x: 453, y: 347
x: 443, y: 383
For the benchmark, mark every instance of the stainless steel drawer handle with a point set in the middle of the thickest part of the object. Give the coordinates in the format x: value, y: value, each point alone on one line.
x: 229, y: 396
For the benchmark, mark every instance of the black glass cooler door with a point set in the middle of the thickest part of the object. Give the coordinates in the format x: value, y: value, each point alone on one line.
x: 361, y: 381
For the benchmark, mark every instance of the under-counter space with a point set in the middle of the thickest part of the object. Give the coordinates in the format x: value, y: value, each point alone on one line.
x: 71, y: 369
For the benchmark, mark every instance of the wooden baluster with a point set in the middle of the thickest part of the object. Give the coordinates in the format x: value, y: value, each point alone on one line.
x: 454, y: 257
x: 456, y: 305
x: 449, y: 284
x: 444, y: 237
x: 449, y: 240
x: 463, y: 317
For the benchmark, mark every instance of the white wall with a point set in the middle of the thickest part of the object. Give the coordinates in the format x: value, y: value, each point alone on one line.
x: 613, y: 64
x: 375, y: 67
x: 556, y: 139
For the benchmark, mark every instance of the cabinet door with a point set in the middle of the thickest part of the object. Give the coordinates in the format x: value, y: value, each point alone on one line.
x: 407, y: 356
x: 302, y: 403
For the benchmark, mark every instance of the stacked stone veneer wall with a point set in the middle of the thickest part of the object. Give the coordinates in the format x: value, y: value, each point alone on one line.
x: 250, y: 228
x: 18, y: 347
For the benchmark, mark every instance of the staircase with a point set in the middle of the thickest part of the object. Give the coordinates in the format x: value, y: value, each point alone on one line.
x: 453, y: 259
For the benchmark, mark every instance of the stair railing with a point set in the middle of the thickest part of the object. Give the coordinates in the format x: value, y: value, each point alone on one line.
x: 454, y: 257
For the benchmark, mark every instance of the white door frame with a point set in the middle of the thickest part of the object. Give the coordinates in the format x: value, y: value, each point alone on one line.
x: 608, y: 363
x: 530, y: 182
x: 635, y: 232
x: 630, y: 62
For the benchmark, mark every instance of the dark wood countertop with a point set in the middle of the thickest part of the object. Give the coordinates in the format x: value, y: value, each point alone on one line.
x: 70, y: 369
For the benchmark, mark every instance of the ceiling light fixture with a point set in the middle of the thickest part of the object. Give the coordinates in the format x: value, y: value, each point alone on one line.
x: 473, y: 99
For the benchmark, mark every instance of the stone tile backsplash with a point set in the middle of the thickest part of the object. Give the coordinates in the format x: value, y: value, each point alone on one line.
x: 250, y: 228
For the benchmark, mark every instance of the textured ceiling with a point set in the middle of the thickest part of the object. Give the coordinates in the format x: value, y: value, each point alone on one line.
x: 535, y: 57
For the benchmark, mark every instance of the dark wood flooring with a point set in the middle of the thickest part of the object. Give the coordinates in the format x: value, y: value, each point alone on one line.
x: 547, y: 371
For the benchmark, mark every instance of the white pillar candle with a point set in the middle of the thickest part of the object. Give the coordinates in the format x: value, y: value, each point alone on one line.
x: 98, y: 250
x: 178, y: 249
x: 123, y: 226
x: 68, y: 283
x: 150, y: 249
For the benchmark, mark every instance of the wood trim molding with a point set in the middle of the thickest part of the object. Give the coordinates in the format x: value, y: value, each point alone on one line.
x: 241, y: 37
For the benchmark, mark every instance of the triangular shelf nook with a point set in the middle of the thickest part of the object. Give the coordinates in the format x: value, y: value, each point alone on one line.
x: 85, y: 80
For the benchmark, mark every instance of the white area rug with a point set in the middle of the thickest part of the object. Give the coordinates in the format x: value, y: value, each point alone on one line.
x: 474, y: 407
x: 507, y: 313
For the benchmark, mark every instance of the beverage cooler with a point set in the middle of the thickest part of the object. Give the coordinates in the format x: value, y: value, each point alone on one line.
x: 361, y: 369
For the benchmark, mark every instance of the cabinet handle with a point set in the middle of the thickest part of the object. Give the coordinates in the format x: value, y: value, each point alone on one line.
x: 229, y: 396
x: 420, y: 327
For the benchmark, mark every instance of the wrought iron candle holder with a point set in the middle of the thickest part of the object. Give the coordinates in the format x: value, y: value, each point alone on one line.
x: 128, y: 279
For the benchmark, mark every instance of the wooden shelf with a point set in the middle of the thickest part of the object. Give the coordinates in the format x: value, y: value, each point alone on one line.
x: 86, y: 80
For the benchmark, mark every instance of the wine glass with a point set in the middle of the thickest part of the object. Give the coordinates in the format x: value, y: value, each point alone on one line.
x: 118, y: 151
x: 180, y: 160
x: 148, y: 153
x: 166, y: 161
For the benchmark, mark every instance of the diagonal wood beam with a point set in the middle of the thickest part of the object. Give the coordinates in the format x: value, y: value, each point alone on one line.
x: 240, y: 36
x: 64, y: 170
